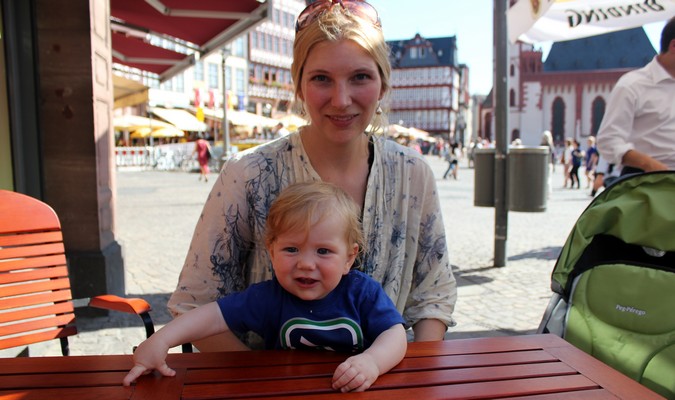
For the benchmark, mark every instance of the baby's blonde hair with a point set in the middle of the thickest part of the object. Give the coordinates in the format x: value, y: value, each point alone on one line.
x: 302, y: 205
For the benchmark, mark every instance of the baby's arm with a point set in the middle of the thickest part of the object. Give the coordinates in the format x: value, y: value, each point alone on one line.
x: 358, y: 372
x: 196, y: 324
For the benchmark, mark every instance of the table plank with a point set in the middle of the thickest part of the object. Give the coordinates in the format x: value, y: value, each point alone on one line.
x: 55, y: 380
x: 203, y: 375
x: 154, y: 386
x: 117, y: 392
x: 477, y: 390
x: 605, y: 376
x: 388, y: 381
x: 23, y: 365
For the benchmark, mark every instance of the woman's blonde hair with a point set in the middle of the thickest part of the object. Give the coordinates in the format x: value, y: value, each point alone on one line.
x: 335, y: 25
x: 302, y: 205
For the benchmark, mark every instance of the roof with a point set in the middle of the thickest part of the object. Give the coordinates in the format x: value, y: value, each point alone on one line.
x: 627, y: 49
x: 200, y: 27
x: 440, y: 51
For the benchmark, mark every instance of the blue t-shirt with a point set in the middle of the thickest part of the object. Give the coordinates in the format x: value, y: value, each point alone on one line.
x: 348, y: 319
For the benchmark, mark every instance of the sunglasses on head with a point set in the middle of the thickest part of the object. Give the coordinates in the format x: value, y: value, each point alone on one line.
x: 358, y: 8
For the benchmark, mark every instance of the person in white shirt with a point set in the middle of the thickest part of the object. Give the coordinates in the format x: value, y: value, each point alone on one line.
x: 638, y: 129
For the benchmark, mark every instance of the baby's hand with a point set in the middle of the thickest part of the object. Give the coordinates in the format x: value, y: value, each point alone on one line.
x: 149, y: 356
x: 356, y: 374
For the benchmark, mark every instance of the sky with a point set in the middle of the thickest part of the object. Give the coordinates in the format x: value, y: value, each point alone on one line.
x: 469, y: 20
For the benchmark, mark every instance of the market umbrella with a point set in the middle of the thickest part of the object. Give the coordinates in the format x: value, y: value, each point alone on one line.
x: 161, y: 132
x: 135, y: 122
x: 395, y: 130
x: 292, y: 122
x: 558, y: 20
x: 418, y: 133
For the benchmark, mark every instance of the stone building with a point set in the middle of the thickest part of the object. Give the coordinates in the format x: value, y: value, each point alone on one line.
x: 429, y: 86
x: 566, y: 94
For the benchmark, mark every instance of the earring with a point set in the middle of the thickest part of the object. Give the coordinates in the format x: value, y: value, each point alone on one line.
x: 378, y: 110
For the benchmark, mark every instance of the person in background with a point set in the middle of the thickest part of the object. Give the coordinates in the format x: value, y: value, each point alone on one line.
x: 341, y: 72
x: 547, y: 141
x: 566, y: 161
x: 452, y: 156
x: 203, y: 152
x: 591, y: 161
x: 638, y: 128
x: 313, y: 236
x: 280, y: 131
x: 577, y: 156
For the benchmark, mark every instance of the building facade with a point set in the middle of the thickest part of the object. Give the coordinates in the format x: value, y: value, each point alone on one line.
x: 429, y: 86
x: 270, y: 90
x: 567, y: 94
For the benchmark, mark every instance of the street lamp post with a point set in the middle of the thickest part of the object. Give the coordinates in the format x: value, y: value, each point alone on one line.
x: 501, y: 124
x: 226, y: 127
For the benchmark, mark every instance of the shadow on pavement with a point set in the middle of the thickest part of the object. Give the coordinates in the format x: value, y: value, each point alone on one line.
x: 545, y: 253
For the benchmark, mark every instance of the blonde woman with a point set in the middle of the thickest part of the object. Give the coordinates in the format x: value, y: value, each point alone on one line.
x: 341, y: 73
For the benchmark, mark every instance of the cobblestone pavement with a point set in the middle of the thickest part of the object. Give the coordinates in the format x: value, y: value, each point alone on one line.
x: 157, y: 211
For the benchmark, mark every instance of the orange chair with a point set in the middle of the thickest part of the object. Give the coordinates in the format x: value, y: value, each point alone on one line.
x: 36, y: 303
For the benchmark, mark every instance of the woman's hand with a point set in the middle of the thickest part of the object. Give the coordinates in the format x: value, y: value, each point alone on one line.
x: 356, y: 374
x: 149, y: 356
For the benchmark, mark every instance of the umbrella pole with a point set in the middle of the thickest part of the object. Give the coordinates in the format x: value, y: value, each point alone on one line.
x: 226, y: 126
x: 501, y: 126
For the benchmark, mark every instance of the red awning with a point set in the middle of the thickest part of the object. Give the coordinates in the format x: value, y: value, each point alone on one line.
x: 207, y: 24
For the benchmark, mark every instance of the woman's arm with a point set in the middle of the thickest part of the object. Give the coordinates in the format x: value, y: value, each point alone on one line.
x: 428, y: 330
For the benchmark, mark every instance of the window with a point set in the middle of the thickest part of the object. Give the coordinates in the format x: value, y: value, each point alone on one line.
x: 228, y: 78
x: 413, y: 52
x: 213, y: 76
x: 238, y: 47
x: 512, y: 98
x: 513, y: 70
x: 558, y: 121
x: 240, y: 81
x: 199, y: 71
x: 179, y: 83
x: 597, y: 113
x: 254, y: 40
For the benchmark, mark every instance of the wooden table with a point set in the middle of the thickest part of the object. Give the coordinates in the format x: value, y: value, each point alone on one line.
x: 538, y: 366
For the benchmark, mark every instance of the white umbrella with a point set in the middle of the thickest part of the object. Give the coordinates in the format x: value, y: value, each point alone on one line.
x: 558, y: 20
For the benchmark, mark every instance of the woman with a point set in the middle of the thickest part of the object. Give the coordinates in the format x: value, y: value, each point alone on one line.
x: 203, y: 151
x: 341, y: 73
x: 547, y: 141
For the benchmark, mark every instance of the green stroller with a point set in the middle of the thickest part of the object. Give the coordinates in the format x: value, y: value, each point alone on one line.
x: 614, y: 281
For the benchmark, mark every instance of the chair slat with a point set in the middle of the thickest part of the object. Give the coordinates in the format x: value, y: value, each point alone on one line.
x: 34, y: 275
x: 37, y: 312
x: 32, y: 262
x: 58, y: 321
x: 44, y: 336
x: 34, y: 299
x: 31, y: 251
x: 35, y: 287
x: 24, y: 239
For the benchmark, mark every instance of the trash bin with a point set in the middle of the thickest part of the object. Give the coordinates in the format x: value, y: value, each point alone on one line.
x: 484, y: 178
x: 527, y: 178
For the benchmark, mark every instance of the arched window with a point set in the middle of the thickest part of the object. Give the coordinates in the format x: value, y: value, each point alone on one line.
x: 558, y: 120
x: 515, y: 134
x: 512, y: 98
x: 488, y: 126
x: 597, y: 112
